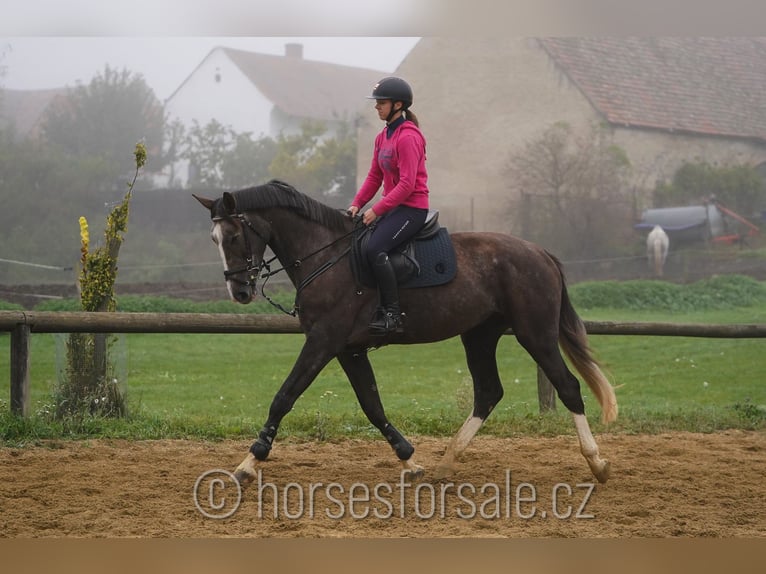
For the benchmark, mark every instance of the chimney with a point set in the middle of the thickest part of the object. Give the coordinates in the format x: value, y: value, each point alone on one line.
x: 294, y: 50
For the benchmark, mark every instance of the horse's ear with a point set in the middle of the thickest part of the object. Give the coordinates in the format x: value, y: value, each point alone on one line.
x: 229, y: 203
x: 204, y: 201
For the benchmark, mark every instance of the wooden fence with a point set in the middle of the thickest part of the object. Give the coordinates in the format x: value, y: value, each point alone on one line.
x: 21, y: 324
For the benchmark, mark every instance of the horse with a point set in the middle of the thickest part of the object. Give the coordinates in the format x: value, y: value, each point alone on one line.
x: 502, y: 282
x: 657, y: 244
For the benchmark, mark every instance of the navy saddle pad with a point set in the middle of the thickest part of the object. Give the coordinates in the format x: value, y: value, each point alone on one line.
x: 427, y: 260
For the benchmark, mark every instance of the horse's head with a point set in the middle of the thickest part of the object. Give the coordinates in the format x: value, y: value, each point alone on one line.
x: 240, y: 243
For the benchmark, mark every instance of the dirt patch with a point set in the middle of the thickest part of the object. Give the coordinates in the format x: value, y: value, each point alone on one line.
x: 668, y: 485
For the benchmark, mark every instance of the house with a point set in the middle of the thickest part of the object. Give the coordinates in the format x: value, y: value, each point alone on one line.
x: 267, y: 95
x: 665, y: 101
x: 22, y: 111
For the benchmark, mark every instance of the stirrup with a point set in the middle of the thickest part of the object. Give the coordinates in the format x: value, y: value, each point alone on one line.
x: 386, y: 322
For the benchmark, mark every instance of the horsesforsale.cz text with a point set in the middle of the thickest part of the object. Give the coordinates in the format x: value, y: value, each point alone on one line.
x: 217, y: 494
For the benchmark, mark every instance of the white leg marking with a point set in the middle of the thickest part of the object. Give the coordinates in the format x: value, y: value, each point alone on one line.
x: 469, y: 429
x: 217, y: 234
x: 245, y: 472
x: 589, y: 449
x: 457, y: 445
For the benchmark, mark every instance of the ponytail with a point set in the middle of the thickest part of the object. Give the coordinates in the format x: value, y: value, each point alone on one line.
x: 412, y: 117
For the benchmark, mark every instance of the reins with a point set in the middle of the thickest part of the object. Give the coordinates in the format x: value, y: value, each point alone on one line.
x: 268, y: 273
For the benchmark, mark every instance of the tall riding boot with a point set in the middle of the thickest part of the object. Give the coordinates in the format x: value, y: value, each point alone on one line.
x: 388, y: 318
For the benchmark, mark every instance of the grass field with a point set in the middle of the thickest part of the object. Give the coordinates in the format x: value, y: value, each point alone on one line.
x: 216, y: 386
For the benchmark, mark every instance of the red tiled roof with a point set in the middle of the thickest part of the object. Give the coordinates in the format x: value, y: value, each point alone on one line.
x: 22, y: 110
x: 712, y: 86
x: 306, y: 88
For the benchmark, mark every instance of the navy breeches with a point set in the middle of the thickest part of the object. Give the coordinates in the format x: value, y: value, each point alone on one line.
x: 394, y: 228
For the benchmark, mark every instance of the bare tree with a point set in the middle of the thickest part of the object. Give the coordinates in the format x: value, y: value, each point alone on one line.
x: 571, y: 190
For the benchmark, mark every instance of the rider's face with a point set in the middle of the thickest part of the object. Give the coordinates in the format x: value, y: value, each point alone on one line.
x: 384, y: 108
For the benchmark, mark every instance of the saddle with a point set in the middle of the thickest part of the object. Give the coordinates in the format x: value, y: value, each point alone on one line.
x: 427, y: 260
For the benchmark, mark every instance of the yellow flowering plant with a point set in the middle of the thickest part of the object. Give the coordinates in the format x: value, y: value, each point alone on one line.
x: 88, y: 386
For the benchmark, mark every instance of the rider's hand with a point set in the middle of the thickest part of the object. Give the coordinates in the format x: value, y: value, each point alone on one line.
x: 369, y: 217
x: 352, y: 211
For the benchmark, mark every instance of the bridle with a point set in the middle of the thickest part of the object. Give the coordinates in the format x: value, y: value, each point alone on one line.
x: 250, y: 268
x: 263, y: 269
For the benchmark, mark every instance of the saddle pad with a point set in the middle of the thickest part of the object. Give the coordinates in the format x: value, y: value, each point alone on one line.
x: 435, y: 256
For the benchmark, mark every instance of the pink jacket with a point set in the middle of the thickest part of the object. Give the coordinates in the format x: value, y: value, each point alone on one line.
x: 399, y: 163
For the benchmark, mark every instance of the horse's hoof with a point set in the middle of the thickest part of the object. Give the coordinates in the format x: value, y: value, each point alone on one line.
x: 412, y: 470
x: 602, y: 473
x: 243, y: 478
x: 443, y: 472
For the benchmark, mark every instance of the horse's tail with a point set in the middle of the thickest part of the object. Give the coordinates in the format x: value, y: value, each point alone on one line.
x: 574, y: 341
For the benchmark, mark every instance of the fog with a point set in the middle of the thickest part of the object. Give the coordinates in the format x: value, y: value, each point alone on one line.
x: 55, y: 62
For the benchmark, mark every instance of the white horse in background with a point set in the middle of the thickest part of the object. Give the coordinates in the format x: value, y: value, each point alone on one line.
x: 657, y: 244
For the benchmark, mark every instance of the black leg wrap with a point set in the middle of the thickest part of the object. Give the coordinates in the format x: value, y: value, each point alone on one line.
x: 401, y: 445
x: 262, y: 446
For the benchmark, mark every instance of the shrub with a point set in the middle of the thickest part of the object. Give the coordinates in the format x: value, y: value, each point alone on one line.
x: 722, y: 292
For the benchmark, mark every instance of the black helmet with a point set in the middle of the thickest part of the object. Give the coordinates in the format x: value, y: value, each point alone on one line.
x: 394, y: 89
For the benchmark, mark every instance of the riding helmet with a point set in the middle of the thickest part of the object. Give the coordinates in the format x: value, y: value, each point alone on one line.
x: 392, y: 88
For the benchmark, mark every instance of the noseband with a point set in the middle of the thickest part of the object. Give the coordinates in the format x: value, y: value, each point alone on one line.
x: 250, y: 268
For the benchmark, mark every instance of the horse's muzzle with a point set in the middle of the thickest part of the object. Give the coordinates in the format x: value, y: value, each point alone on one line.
x: 242, y: 295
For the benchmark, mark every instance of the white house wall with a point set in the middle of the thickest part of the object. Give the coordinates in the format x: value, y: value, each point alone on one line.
x: 480, y: 100
x: 218, y: 90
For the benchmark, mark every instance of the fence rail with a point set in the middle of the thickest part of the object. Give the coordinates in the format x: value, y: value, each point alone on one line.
x: 21, y: 324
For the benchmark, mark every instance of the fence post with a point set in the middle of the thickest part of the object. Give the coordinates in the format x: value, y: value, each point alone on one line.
x: 546, y: 394
x: 20, y: 339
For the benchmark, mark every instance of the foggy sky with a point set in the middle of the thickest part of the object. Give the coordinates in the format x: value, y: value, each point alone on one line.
x: 55, y: 62
x: 175, y: 34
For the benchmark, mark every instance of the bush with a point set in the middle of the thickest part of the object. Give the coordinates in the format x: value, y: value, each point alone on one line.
x: 723, y: 292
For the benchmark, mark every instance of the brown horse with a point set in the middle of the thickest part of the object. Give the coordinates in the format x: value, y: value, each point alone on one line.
x: 501, y: 282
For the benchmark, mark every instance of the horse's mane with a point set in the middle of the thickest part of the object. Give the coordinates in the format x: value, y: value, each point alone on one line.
x: 277, y: 193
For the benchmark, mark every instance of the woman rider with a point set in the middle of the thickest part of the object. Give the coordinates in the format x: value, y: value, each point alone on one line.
x: 398, y: 163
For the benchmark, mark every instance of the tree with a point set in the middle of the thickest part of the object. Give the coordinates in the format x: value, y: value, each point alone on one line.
x: 324, y: 168
x: 205, y: 147
x: 104, y: 118
x: 247, y: 161
x: 44, y: 191
x: 320, y: 166
x: 739, y: 187
x: 572, y: 189
x: 223, y: 158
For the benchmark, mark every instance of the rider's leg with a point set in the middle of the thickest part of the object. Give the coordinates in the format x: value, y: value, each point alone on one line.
x: 388, y: 319
x: 393, y: 229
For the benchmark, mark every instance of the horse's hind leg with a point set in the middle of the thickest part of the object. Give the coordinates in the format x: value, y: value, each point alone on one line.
x: 549, y: 359
x: 481, y: 348
x: 359, y: 371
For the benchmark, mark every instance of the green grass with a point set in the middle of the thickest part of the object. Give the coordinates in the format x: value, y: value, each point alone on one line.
x: 220, y: 386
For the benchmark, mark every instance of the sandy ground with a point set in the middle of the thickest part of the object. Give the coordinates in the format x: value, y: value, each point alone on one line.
x: 668, y: 485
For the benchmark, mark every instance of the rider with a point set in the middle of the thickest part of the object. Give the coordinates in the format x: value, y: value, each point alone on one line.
x: 398, y: 163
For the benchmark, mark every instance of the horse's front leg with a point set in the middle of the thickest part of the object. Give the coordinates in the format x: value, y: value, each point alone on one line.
x: 312, y: 359
x: 359, y: 371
